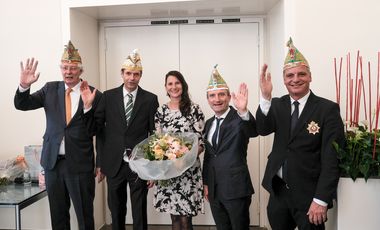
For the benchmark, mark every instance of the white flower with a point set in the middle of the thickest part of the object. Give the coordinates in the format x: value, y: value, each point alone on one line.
x: 171, y: 156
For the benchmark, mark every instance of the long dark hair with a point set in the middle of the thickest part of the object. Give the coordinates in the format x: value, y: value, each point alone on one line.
x: 185, y: 103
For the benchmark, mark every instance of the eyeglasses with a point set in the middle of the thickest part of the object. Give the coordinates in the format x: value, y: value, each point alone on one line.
x: 69, y: 68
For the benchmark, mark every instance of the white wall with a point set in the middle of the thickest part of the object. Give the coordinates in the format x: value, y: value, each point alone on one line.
x: 28, y: 30
x: 274, y: 57
x: 84, y: 34
x: 34, y: 29
x: 325, y: 29
x: 275, y: 48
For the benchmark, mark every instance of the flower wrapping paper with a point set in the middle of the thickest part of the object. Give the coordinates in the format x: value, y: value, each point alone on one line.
x: 163, y: 169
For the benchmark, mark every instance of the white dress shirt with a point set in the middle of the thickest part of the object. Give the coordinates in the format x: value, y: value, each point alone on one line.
x: 126, y: 98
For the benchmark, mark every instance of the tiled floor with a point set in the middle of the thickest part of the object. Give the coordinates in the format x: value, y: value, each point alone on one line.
x: 167, y: 227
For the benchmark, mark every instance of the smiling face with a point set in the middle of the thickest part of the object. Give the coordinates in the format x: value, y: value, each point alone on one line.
x: 297, y: 81
x: 71, y: 73
x: 131, y: 79
x: 173, y: 87
x: 219, y: 100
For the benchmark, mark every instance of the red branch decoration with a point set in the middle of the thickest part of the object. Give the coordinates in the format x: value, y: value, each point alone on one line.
x: 356, y: 94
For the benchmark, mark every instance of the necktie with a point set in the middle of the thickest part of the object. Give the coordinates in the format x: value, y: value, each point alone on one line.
x: 129, y: 107
x: 293, y: 123
x: 68, y: 104
x: 216, y: 132
x: 295, y: 115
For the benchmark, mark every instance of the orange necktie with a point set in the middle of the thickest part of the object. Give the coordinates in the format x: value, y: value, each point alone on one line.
x: 68, y: 105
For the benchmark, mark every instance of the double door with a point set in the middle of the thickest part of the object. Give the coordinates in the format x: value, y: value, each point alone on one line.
x: 193, y: 49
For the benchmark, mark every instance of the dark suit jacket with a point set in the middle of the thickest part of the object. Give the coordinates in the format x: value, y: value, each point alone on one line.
x: 78, y: 141
x: 111, y: 124
x: 312, y: 161
x: 226, y: 167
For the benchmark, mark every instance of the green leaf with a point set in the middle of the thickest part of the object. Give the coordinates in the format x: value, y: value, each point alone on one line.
x: 356, y: 158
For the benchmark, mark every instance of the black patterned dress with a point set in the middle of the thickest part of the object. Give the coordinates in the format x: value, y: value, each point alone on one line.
x: 181, y: 195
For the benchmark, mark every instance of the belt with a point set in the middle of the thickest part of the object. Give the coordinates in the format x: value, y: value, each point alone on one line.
x: 61, y: 157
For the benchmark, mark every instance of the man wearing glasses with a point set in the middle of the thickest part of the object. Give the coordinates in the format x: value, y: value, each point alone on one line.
x: 68, y: 151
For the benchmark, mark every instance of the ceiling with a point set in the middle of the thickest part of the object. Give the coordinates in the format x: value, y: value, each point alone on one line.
x: 195, y: 8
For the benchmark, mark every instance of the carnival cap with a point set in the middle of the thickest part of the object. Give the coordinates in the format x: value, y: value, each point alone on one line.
x: 133, y: 62
x: 70, y: 54
x: 216, y: 81
x: 294, y: 57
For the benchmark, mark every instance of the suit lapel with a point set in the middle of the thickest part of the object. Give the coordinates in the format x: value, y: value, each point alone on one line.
x: 286, y: 108
x: 79, y: 110
x: 222, y: 129
x: 224, y: 123
x: 61, y: 100
x: 119, y: 100
x: 207, y: 129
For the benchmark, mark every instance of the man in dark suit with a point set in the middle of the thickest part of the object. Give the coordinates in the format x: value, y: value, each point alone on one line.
x: 226, y: 178
x: 302, y: 170
x: 125, y: 117
x: 68, y: 152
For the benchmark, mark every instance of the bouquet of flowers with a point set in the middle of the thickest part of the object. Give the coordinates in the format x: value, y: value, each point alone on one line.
x: 164, y: 155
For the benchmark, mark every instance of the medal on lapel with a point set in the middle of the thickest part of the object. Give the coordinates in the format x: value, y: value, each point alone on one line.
x: 313, y: 128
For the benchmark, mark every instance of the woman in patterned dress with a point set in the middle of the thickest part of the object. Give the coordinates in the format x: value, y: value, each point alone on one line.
x: 182, y: 196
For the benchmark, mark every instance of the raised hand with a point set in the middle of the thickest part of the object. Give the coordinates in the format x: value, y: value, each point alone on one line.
x: 240, y: 98
x: 28, y: 74
x: 86, y: 95
x: 266, y: 86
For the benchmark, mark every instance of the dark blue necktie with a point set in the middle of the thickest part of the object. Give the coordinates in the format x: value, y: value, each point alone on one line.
x: 216, y: 132
x: 293, y: 123
x: 295, y: 115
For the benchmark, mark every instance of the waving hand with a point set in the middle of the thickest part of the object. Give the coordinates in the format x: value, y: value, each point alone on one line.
x: 28, y: 74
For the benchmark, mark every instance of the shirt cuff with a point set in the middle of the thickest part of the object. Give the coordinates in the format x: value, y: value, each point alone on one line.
x: 22, y: 89
x: 244, y: 116
x: 320, y: 202
x: 86, y: 110
x: 265, y: 105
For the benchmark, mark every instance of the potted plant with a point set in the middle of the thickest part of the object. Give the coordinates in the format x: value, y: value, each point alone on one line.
x: 359, y: 160
x: 360, y: 157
